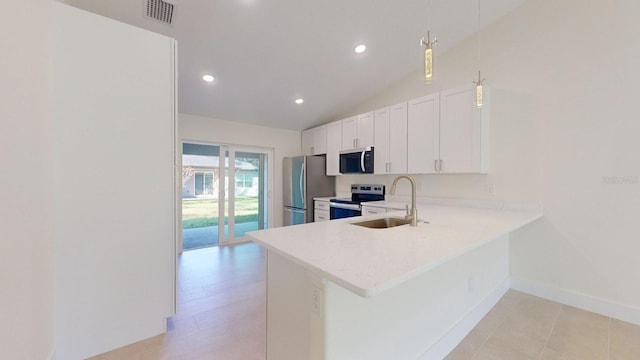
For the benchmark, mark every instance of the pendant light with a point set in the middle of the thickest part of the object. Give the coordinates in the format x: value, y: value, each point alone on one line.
x: 480, y: 81
x: 428, y: 51
x: 428, y: 57
x: 479, y: 90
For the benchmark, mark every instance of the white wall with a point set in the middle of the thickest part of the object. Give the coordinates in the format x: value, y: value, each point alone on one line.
x: 25, y: 200
x: 114, y: 183
x: 284, y: 142
x: 564, y: 77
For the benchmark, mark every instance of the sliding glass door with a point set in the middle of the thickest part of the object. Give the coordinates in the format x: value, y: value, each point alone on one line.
x: 225, y: 193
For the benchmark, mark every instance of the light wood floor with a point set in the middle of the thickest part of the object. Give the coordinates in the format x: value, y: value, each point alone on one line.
x: 222, y: 316
x: 221, y: 311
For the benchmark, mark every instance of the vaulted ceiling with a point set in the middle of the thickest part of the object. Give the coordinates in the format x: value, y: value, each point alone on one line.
x: 264, y: 54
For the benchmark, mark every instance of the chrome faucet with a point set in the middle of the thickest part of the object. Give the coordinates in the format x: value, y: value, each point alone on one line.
x: 413, y: 215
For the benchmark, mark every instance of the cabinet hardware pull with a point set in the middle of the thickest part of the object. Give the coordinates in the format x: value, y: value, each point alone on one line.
x: 435, y: 165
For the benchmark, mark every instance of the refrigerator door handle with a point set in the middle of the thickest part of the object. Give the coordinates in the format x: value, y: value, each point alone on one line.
x: 302, y: 183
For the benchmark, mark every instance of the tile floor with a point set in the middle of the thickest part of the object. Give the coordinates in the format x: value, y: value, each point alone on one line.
x: 526, y: 327
x: 222, y: 316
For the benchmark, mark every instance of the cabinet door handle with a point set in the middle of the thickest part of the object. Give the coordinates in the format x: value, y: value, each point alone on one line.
x: 435, y: 165
x: 313, y: 150
x: 389, y: 167
x: 441, y: 165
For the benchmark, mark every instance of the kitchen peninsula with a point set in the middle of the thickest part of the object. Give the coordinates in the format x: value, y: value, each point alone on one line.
x: 336, y: 290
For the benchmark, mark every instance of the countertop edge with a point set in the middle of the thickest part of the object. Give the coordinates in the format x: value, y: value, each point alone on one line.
x: 368, y: 292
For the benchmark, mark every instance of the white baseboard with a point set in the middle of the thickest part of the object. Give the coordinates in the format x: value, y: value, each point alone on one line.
x: 458, y: 332
x: 578, y: 300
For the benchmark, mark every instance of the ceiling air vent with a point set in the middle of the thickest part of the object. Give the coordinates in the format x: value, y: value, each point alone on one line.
x: 159, y: 10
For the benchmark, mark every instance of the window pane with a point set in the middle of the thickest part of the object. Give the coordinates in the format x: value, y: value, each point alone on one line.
x: 199, y: 188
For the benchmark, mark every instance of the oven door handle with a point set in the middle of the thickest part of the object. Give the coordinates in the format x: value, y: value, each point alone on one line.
x: 344, y: 206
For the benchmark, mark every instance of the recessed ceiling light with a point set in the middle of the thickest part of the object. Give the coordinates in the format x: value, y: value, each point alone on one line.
x: 208, y: 78
x: 299, y: 101
x: 360, y: 48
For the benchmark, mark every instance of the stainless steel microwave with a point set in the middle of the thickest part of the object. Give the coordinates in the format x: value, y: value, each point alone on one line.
x: 358, y: 161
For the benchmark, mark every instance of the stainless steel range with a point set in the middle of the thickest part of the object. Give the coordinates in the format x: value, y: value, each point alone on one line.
x: 343, y: 208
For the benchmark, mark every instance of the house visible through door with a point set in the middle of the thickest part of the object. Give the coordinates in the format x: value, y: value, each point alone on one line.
x: 215, y: 209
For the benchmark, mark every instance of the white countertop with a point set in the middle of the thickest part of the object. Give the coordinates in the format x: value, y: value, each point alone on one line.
x: 369, y: 261
x: 387, y: 204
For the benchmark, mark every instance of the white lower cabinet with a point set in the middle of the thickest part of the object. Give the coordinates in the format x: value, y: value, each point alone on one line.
x: 321, y: 210
x: 372, y: 210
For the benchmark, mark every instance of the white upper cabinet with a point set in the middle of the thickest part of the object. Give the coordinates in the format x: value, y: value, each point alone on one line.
x: 334, y: 143
x: 357, y: 131
x: 308, y: 140
x: 381, y: 141
x: 320, y: 136
x: 423, y: 139
x: 464, y: 131
x: 314, y: 141
x: 349, y: 133
x: 447, y: 133
x: 398, y: 138
x: 390, y: 141
x: 439, y: 133
x: 365, y: 130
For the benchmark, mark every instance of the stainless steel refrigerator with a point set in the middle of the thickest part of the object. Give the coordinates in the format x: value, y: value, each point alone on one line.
x: 304, y: 178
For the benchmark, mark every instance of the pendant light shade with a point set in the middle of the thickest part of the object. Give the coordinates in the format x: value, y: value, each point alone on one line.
x: 428, y: 57
x: 479, y: 90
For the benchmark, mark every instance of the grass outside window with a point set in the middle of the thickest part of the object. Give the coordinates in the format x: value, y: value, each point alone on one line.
x: 198, y: 213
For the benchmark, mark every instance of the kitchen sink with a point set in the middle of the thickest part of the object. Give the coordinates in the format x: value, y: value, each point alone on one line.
x: 383, y: 223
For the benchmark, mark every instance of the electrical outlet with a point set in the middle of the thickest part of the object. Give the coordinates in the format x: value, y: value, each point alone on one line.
x: 317, y: 298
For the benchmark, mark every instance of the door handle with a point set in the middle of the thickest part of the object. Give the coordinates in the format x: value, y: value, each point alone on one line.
x: 302, y: 181
x: 362, y: 160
